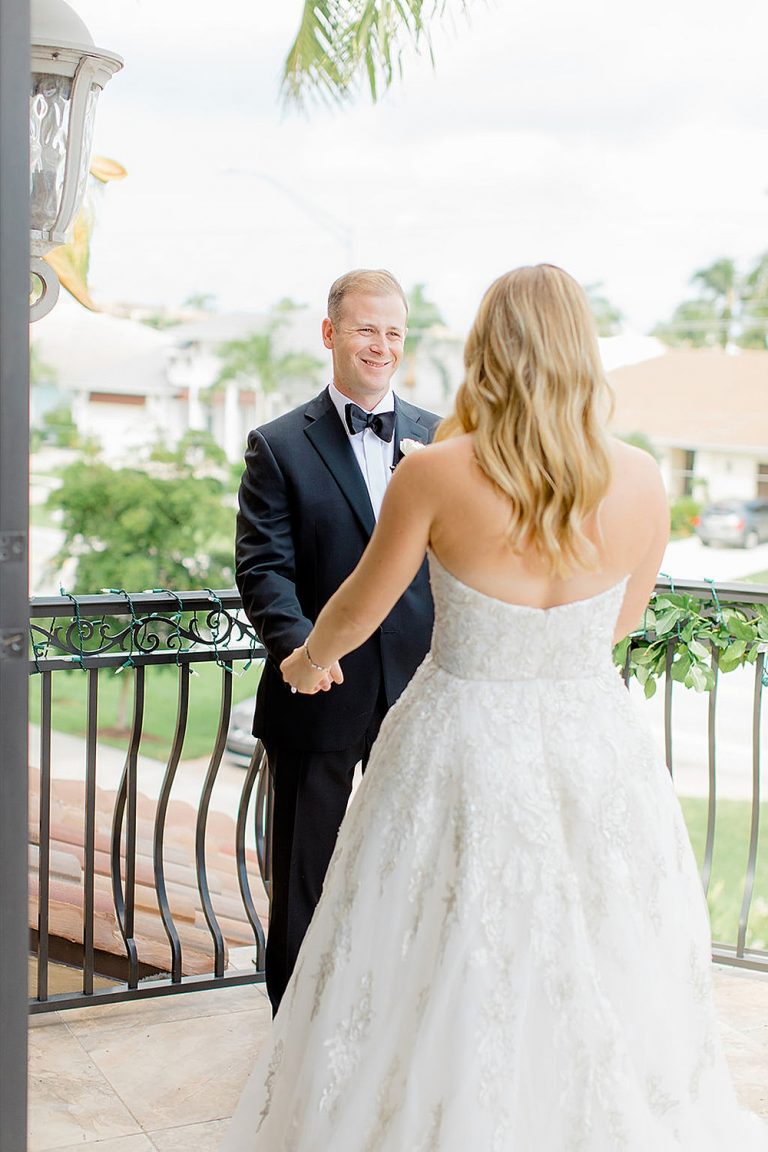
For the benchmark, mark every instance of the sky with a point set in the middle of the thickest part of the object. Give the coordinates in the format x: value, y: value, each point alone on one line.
x: 625, y: 142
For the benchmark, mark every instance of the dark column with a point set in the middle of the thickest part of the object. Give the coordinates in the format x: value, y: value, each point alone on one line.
x: 14, y: 481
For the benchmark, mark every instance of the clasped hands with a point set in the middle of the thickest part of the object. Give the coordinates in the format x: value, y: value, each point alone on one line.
x: 304, y: 677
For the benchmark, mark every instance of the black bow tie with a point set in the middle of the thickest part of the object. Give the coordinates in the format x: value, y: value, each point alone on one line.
x: 382, y: 423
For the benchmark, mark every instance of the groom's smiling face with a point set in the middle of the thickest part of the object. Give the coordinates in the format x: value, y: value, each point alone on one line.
x: 366, y: 344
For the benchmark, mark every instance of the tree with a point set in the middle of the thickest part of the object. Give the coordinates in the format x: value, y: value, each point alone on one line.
x: 196, y: 451
x: 200, y: 302
x: 424, y: 317
x: 729, y: 309
x: 40, y: 372
x: 754, y: 314
x: 640, y: 440
x: 159, y: 320
x: 59, y: 428
x: 720, y: 286
x: 257, y: 360
x: 129, y: 529
x: 337, y: 43
x: 694, y: 324
x: 608, y: 318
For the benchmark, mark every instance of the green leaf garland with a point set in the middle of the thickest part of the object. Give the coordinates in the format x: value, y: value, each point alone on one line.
x: 696, y: 636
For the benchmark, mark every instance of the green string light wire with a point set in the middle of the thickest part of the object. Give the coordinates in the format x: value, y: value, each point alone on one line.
x: 253, y: 646
x: 175, y: 619
x: 79, y: 625
x: 40, y: 647
x: 129, y: 663
x: 715, y: 597
x: 215, y: 630
x: 673, y: 590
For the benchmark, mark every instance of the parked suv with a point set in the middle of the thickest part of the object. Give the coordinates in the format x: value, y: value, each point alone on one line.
x: 740, y: 522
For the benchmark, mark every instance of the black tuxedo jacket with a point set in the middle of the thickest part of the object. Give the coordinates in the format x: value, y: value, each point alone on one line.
x: 305, y: 518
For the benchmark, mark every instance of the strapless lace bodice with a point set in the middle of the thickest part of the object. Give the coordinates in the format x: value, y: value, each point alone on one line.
x: 479, y: 638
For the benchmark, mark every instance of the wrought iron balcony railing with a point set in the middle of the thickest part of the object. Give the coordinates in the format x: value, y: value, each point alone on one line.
x: 132, y: 884
x: 100, y: 869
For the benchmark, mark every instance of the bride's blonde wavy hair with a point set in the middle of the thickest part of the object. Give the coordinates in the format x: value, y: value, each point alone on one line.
x: 535, y: 396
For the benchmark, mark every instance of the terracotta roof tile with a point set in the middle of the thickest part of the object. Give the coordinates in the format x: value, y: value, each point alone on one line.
x: 695, y: 398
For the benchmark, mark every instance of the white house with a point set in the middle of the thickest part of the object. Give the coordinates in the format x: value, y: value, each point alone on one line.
x: 113, y: 373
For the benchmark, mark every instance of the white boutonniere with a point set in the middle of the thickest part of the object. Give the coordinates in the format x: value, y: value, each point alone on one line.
x: 407, y: 446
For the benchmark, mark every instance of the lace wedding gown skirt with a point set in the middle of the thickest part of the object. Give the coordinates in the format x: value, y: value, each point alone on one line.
x: 511, y: 953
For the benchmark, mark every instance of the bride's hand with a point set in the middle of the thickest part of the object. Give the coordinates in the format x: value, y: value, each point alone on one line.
x: 302, y: 677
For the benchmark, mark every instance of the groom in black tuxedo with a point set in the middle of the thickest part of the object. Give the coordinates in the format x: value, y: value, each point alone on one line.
x: 310, y: 495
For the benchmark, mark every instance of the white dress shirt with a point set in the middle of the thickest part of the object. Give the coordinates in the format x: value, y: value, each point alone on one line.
x: 374, y: 456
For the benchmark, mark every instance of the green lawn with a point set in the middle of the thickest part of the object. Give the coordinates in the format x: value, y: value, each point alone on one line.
x: 161, y: 697
x: 729, y: 864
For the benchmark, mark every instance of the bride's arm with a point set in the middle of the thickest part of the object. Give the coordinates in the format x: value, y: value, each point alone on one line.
x: 647, y: 513
x: 388, y: 565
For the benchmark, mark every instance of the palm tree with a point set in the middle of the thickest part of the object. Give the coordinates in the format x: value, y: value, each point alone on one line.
x: 424, y: 320
x: 608, y: 318
x: 719, y: 284
x: 256, y: 360
x: 340, y: 40
x: 754, y: 304
x: 694, y: 324
x: 725, y: 302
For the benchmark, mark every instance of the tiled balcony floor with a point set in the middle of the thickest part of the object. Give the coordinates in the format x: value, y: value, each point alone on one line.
x: 164, y: 1075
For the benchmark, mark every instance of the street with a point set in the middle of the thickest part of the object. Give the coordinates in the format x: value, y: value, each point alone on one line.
x: 690, y: 559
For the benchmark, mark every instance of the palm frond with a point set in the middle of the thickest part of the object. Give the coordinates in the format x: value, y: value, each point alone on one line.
x: 319, y: 60
x: 341, y: 41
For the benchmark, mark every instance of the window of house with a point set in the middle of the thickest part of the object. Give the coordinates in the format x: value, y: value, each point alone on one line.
x: 762, y: 481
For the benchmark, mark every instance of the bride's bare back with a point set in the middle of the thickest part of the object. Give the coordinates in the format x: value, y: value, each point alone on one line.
x: 440, y: 499
x: 470, y: 517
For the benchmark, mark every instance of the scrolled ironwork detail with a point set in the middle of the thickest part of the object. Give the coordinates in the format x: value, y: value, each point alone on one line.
x: 81, y: 634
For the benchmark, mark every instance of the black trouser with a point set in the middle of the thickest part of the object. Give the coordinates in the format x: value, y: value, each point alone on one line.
x: 310, y: 798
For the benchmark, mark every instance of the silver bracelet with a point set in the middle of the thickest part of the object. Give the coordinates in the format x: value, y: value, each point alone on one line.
x: 317, y: 667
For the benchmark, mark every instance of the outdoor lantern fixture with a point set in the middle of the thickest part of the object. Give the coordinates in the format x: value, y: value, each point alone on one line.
x: 68, y: 73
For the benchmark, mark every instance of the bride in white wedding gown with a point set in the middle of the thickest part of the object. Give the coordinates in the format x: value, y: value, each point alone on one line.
x: 511, y: 953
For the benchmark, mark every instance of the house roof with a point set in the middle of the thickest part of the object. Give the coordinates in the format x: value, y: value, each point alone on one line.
x: 695, y: 398
x: 91, y: 350
x: 218, y: 327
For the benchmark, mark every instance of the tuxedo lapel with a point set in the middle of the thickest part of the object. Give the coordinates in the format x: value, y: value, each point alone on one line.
x: 332, y: 443
x: 408, y: 426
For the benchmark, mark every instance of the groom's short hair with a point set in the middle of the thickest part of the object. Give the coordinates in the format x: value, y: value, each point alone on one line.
x: 366, y: 281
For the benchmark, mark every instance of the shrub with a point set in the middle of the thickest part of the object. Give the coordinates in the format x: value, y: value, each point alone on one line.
x: 683, y: 513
